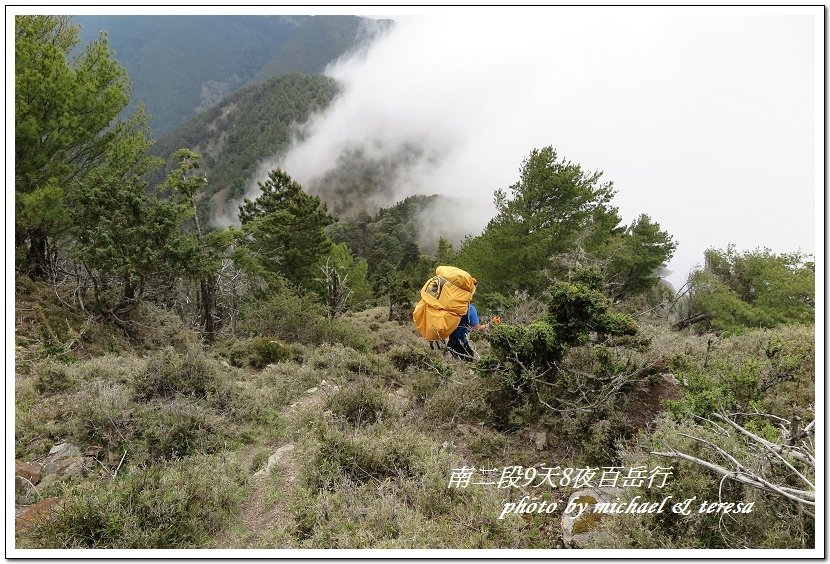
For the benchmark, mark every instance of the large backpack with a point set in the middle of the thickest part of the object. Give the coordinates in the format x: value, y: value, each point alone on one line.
x: 444, y: 300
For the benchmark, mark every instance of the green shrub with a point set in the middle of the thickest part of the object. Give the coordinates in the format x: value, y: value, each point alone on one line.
x: 460, y: 397
x: 170, y: 373
x: 740, y: 291
x: 110, y: 368
x: 153, y: 328
x: 766, y: 370
x: 395, y: 507
x: 177, y: 505
x: 102, y: 414
x: 359, y: 404
x: 258, y: 352
x: 52, y: 377
x: 181, y: 428
x: 343, y: 363
x: 279, y: 313
x: 294, y: 317
x: 421, y: 385
x: 40, y: 423
x: 403, y: 357
x: 375, y: 455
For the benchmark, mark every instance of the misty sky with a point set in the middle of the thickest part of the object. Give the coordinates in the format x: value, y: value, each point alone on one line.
x: 703, y: 119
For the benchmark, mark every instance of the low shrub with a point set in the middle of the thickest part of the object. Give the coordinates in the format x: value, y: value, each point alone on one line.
x: 359, y: 404
x: 180, y: 428
x: 299, y: 318
x: 461, y: 398
x: 152, y: 327
x: 401, y: 502
x: 110, y: 368
x: 52, y: 377
x: 102, y: 414
x: 343, y: 363
x: 175, y: 505
x: 421, y: 385
x: 258, y: 352
x: 403, y: 357
x: 170, y: 373
x: 769, y: 370
x: 369, y: 456
x: 40, y: 425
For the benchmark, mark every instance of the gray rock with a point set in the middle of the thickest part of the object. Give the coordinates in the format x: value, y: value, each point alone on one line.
x: 64, y: 450
x: 278, y: 455
x: 579, y: 528
x: 72, y: 467
x: 48, y: 481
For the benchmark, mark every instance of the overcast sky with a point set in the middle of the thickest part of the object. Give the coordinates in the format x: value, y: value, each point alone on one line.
x: 706, y: 120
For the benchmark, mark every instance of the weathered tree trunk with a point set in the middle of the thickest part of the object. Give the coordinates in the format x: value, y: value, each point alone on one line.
x: 682, y: 324
x: 37, y: 262
x: 207, y: 300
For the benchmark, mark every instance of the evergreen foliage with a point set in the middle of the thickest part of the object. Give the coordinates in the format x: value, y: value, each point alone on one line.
x: 120, y: 233
x: 183, y: 65
x: 318, y: 41
x: 235, y: 136
x: 556, y: 218
x: 108, y: 354
x: 736, y: 291
x: 575, y: 310
x: 64, y: 112
x: 285, y: 229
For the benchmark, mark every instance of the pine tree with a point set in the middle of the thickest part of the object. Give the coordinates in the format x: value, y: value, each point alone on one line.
x: 64, y: 126
x: 285, y: 228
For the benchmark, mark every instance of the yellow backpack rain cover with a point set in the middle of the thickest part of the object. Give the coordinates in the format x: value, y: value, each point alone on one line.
x: 444, y: 299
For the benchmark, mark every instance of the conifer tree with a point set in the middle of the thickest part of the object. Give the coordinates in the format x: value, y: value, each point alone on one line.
x: 64, y: 127
x: 285, y: 228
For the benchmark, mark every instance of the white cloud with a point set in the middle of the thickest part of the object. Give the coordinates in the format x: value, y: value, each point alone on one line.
x: 704, y: 121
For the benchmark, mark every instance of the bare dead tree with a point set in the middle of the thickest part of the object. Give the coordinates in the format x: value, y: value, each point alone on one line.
x: 696, y: 318
x: 337, y: 292
x: 769, y: 477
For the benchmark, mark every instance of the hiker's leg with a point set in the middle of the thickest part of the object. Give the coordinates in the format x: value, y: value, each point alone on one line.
x: 469, y: 355
x: 456, y: 348
x: 461, y: 349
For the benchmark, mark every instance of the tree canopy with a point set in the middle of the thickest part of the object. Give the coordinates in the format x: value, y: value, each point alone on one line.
x: 759, y: 288
x: 285, y: 229
x: 558, y: 217
x: 64, y: 113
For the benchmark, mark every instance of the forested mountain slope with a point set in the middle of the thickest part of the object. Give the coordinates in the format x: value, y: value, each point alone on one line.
x: 319, y: 41
x: 182, y: 65
x: 253, y: 124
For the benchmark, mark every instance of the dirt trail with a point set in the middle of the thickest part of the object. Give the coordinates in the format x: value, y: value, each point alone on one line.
x: 264, y: 518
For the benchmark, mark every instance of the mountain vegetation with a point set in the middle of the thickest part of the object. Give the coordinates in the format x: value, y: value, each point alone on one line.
x: 183, y: 65
x: 235, y: 136
x: 185, y: 385
x: 319, y: 41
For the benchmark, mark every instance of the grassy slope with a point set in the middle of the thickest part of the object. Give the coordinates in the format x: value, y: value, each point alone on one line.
x: 378, y: 423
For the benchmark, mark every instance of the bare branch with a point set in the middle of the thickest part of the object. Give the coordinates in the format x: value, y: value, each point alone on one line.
x: 772, y: 447
x: 800, y: 496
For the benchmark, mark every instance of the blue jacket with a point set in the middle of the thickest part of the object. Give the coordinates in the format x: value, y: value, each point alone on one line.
x: 468, y: 321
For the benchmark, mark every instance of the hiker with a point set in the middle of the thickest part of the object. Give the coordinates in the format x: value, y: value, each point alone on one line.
x: 459, y: 341
x: 445, y: 311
